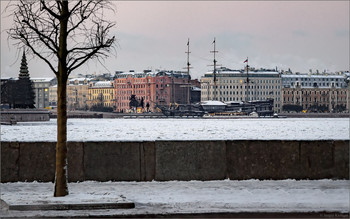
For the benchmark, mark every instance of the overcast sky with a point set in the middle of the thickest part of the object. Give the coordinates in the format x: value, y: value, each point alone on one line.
x: 299, y: 35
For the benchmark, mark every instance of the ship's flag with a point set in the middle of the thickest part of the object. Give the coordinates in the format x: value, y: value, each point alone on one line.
x: 246, y: 60
x: 214, y: 40
x: 188, y: 42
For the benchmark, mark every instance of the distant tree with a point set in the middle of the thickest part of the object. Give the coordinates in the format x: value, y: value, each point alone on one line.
x: 65, y: 35
x: 317, y: 108
x: 25, y: 95
x: 100, y: 108
x: 292, y: 108
x: 340, y: 108
x: 133, y: 102
x: 100, y: 99
x: 8, y: 93
x: 19, y: 93
x: 322, y: 108
x: 147, y: 106
x: 142, y: 104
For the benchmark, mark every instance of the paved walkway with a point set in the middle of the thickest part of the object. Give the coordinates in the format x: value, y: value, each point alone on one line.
x: 225, y: 198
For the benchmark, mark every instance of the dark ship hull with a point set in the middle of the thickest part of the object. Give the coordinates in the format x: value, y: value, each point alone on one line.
x: 183, y: 110
x: 261, y: 108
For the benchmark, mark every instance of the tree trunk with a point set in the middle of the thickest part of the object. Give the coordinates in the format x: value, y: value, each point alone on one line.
x: 61, y: 187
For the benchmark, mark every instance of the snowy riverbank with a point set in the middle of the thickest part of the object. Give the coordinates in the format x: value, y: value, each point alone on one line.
x: 183, y: 129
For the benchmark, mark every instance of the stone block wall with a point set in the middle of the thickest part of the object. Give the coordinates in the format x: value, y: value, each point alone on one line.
x: 24, y: 115
x: 178, y: 160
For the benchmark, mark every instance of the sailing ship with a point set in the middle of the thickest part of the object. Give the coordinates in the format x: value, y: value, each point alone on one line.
x: 259, y: 108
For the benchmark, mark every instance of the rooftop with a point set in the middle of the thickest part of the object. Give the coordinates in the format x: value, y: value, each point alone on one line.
x: 103, y: 84
x: 148, y: 73
x: 42, y: 79
x: 79, y: 79
x: 312, y: 76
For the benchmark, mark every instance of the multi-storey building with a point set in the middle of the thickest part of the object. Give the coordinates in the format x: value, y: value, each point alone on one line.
x: 317, y: 99
x: 41, y: 89
x: 318, y: 93
x: 312, y: 80
x: 231, y: 85
x: 77, y: 93
x: 154, y: 88
x: 53, y: 95
x: 101, y: 93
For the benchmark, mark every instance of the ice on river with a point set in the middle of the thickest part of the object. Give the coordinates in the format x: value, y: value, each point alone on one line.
x: 182, y: 129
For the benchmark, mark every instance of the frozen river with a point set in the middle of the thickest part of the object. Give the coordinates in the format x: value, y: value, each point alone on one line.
x: 182, y: 129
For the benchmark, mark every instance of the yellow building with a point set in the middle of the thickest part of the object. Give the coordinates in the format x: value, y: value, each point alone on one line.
x: 101, y: 93
x: 53, y: 95
x: 77, y: 94
x: 77, y: 97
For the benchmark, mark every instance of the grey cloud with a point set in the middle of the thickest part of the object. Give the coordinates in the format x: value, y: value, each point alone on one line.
x: 342, y: 33
x: 300, y: 33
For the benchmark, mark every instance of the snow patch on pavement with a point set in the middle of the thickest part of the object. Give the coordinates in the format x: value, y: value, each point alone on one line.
x: 195, y: 196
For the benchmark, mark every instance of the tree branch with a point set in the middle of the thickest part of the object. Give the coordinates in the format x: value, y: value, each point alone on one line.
x: 76, y: 6
x: 49, y: 10
x: 81, y: 60
x: 83, y: 16
x: 38, y: 26
x: 39, y: 55
x: 43, y: 37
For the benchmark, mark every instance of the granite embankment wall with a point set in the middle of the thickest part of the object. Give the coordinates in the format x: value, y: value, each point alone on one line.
x: 178, y: 160
x: 24, y: 115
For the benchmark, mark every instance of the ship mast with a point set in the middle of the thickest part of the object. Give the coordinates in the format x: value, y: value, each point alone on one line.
x: 188, y: 71
x: 247, y: 88
x: 214, y: 71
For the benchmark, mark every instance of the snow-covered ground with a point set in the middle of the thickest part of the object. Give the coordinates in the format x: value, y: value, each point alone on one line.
x: 179, y: 196
x: 190, y: 196
x: 182, y: 129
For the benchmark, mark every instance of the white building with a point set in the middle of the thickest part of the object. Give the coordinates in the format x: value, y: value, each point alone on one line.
x: 312, y: 80
x: 231, y: 85
x: 41, y: 89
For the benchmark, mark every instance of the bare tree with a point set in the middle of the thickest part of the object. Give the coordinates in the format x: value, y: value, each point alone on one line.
x: 65, y: 35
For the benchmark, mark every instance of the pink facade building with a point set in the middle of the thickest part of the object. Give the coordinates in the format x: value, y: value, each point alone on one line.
x: 154, y: 88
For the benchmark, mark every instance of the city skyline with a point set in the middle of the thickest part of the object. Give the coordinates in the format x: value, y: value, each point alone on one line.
x: 298, y: 35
